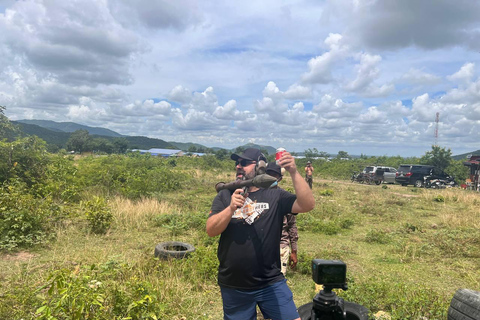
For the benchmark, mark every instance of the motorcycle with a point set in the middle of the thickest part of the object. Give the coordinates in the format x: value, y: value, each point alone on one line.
x: 439, y: 183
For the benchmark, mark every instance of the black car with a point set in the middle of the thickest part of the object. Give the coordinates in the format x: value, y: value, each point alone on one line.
x: 414, y: 174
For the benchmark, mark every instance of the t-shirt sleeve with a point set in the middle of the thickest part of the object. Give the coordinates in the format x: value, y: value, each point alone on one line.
x: 287, y: 200
x: 220, y: 202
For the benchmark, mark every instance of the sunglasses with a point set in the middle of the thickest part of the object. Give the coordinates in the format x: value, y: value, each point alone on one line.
x: 244, y: 162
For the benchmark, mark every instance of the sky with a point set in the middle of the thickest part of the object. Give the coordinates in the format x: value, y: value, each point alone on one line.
x: 361, y: 76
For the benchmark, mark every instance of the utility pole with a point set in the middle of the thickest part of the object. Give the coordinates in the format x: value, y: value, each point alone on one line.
x: 437, y: 117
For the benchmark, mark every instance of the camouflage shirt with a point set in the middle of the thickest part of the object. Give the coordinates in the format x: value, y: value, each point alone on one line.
x: 289, y: 232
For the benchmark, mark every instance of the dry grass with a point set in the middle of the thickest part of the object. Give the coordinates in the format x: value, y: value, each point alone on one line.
x: 129, y: 214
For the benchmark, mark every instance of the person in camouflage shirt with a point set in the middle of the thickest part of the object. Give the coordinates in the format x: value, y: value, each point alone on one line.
x: 288, y: 242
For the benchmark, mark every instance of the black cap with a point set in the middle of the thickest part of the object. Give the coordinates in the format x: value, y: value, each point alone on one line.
x: 248, y: 154
x: 273, y: 167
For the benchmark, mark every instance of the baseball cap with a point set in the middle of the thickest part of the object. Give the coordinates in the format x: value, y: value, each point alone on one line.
x: 248, y: 154
x: 273, y: 167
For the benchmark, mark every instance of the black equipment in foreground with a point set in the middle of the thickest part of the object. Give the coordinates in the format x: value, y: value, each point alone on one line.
x: 260, y: 181
x: 326, y: 305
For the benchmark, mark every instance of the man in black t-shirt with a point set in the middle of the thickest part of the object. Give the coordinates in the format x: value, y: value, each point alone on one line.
x: 250, y: 225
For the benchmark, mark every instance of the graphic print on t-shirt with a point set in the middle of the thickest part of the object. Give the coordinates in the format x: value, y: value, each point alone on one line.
x: 250, y: 211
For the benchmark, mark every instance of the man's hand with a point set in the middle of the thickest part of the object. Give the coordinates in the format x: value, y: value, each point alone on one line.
x: 293, y: 260
x: 237, y: 200
x: 287, y: 161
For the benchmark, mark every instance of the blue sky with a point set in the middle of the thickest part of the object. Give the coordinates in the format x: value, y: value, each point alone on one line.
x: 361, y: 76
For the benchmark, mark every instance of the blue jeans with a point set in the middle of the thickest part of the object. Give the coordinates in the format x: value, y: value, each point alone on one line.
x: 275, y: 302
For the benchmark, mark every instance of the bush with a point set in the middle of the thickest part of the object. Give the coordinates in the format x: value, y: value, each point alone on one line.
x: 377, y: 236
x: 132, y: 177
x: 24, y: 219
x: 98, y: 214
x: 327, y: 192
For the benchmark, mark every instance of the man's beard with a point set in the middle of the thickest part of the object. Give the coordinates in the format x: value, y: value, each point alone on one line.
x: 242, y: 175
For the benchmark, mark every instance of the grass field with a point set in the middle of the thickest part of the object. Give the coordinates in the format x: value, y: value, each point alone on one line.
x: 407, y: 251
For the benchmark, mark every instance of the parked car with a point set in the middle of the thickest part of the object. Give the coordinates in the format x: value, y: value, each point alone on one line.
x: 389, y: 175
x: 408, y: 174
x: 376, y: 174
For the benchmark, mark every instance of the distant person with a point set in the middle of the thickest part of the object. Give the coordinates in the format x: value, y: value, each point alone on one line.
x: 288, y: 241
x: 250, y: 226
x: 309, y: 174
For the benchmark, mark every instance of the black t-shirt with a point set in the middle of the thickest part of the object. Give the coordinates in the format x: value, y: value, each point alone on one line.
x: 249, y: 248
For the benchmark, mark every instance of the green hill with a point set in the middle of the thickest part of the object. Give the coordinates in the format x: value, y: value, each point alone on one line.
x: 466, y: 155
x: 60, y: 138
x: 138, y: 142
x: 71, y: 127
x: 269, y: 149
x: 186, y: 145
x: 58, y: 133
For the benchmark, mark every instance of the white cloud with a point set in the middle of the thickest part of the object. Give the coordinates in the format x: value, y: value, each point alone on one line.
x: 230, y: 112
x: 334, y: 75
x: 419, y: 77
x: 320, y: 67
x: 465, y: 74
x: 298, y: 92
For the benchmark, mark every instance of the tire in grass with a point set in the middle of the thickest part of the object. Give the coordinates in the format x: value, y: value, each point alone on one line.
x: 173, y: 249
x: 465, y: 305
x: 354, y: 311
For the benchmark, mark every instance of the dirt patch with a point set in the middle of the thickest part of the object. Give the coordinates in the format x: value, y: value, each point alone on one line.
x: 19, y: 256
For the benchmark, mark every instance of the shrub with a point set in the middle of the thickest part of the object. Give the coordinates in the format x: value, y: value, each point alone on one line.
x: 72, y: 296
x: 326, y: 192
x: 98, y: 215
x: 24, y: 219
x: 377, y: 236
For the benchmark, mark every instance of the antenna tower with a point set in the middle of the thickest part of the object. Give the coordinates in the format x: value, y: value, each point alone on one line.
x: 437, y: 117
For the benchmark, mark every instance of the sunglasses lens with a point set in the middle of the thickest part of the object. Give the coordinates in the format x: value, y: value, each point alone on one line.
x: 243, y: 162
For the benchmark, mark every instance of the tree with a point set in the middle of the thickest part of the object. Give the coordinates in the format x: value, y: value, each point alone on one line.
x: 311, y: 153
x: 79, y: 141
x: 438, y: 157
x: 120, y: 145
x: 343, y: 155
x: 101, y: 145
x: 323, y: 154
x: 221, y: 154
x: 6, y: 127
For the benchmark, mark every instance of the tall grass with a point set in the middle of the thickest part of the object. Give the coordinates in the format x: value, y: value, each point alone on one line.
x: 139, y: 214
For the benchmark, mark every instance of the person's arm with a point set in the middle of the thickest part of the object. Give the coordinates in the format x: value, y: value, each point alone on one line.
x: 218, y: 222
x: 305, y: 200
x: 293, y: 237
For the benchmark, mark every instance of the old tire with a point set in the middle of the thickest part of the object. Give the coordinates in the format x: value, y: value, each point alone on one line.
x: 354, y: 311
x: 465, y: 305
x: 418, y: 183
x: 173, y: 249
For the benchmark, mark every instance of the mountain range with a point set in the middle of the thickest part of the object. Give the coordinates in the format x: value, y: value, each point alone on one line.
x: 58, y: 133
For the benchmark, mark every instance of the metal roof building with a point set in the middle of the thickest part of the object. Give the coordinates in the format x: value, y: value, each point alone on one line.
x: 161, y: 152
